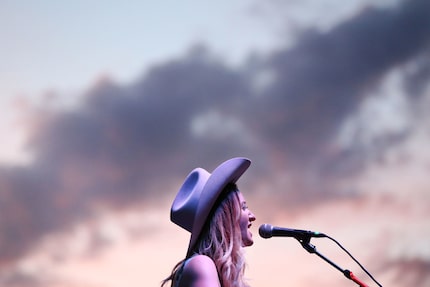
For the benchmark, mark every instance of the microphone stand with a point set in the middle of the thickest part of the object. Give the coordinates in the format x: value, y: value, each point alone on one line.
x: 305, y: 242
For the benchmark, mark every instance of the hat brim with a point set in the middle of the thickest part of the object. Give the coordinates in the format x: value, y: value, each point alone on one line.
x: 227, y: 172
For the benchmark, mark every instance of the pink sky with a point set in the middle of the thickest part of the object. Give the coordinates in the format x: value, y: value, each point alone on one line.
x: 379, y: 228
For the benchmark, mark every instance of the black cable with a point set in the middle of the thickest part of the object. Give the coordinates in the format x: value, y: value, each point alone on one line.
x: 356, y: 261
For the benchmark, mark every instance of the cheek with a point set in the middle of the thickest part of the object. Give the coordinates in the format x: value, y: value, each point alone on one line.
x: 244, y: 222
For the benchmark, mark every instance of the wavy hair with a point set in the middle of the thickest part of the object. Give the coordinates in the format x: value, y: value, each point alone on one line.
x: 221, y: 240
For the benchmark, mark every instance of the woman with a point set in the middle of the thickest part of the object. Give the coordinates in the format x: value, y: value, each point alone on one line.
x: 211, y: 207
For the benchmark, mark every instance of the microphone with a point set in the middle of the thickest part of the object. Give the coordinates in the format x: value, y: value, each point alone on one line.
x: 267, y: 231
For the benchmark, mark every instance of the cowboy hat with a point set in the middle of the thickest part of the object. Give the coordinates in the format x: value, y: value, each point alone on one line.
x: 199, y: 192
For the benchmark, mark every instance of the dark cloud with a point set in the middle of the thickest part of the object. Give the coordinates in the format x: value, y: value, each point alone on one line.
x: 117, y: 148
x: 324, y: 78
x: 409, y: 272
x: 417, y: 75
x: 153, y: 116
x: 21, y: 279
x: 124, y: 142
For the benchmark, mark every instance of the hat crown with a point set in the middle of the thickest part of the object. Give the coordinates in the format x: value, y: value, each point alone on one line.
x: 184, y: 207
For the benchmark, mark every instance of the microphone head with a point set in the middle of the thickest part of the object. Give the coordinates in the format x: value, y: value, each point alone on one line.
x: 265, y: 230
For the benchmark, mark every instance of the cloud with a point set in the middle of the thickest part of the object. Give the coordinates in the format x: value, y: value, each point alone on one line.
x: 409, y: 271
x: 126, y: 143
x: 116, y: 148
x: 324, y: 78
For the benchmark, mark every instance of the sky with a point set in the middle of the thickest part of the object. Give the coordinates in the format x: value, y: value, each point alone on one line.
x: 108, y: 106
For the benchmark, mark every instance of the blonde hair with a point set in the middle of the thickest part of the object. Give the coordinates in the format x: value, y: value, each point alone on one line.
x: 221, y: 240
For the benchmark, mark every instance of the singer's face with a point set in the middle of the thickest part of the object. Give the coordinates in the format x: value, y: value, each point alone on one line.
x: 246, y: 218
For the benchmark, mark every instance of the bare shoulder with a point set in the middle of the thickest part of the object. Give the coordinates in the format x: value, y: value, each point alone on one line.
x: 200, y: 271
